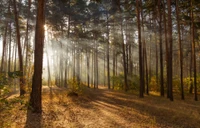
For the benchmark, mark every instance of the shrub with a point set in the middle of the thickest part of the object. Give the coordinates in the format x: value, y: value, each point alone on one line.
x: 133, y: 82
x: 3, y: 82
x: 75, y: 86
x: 153, y: 85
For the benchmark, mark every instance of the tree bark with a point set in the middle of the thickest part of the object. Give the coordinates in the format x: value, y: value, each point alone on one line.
x: 170, y: 41
x: 108, y: 54
x: 124, y: 60
x: 194, y: 54
x: 4, y: 48
x: 36, y: 99
x: 140, y: 50
x: 22, y: 84
x: 161, y: 50
x: 166, y: 49
x: 180, y: 50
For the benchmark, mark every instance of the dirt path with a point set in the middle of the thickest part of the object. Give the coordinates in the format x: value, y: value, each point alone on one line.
x: 102, y: 108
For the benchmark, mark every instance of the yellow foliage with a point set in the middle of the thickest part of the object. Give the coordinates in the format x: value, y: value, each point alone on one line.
x: 153, y: 84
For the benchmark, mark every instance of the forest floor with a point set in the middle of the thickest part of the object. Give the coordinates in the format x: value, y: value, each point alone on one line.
x: 100, y: 108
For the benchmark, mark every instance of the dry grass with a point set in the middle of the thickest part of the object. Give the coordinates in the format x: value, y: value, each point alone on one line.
x: 101, y: 109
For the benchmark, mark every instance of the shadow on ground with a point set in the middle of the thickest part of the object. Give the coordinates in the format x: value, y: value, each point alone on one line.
x: 34, y: 120
x: 151, y: 110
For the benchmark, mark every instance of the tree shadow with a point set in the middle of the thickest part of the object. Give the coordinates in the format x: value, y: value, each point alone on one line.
x: 34, y: 120
x: 170, y: 115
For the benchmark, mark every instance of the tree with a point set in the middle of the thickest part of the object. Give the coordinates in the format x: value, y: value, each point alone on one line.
x: 170, y: 42
x: 36, y: 99
x: 193, y: 52
x: 180, y: 49
x: 22, y: 82
x: 161, y: 49
x: 108, y: 51
x: 140, y: 50
x: 124, y: 59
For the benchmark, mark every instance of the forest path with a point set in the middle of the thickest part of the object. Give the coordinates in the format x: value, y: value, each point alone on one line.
x: 103, y: 108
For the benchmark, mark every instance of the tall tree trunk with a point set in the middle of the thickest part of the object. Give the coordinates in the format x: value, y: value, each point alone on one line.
x: 108, y: 54
x: 22, y: 84
x: 167, y: 50
x: 180, y: 49
x: 194, y: 54
x: 36, y: 99
x: 4, y: 48
x: 88, y: 68
x: 96, y: 61
x: 26, y: 38
x: 113, y: 80
x: 143, y: 52
x: 104, y: 68
x: 10, y: 41
x: 130, y: 60
x: 149, y: 63
x: 78, y: 67
x: 61, y: 66
x: 146, y: 67
x: 92, y: 71
x: 124, y: 59
x: 161, y: 50
x: 170, y: 41
x: 138, y: 4
x: 191, y: 60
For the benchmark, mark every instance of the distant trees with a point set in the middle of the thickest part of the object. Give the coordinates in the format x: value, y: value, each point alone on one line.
x: 135, y: 44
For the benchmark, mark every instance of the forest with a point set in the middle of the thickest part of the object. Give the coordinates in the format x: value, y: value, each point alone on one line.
x: 99, y: 63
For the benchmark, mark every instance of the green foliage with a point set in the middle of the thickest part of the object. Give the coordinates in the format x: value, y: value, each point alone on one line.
x: 134, y: 82
x: 11, y: 103
x: 15, y: 74
x: 176, y: 84
x: 187, y: 82
x: 75, y: 86
x: 3, y: 80
x: 153, y: 85
x: 118, y: 81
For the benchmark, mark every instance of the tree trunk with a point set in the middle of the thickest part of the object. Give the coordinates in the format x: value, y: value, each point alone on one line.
x: 26, y: 38
x: 88, y: 68
x: 124, y: 60
x: 10, y: 34
x: 108, y: 55
x: 170, y: 41
x: 36, y: 99
x: 194, y: 54
x: 167, y: 51
x: 96, y: 63
x: 4, y: 48
x: 161, y: 50
x: 180, y: 50
x: 104, y: 68
x: 22, y: 84
x: 138, y: 4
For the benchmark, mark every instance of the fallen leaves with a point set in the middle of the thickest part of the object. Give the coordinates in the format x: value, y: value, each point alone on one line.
x: 100, y: 109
